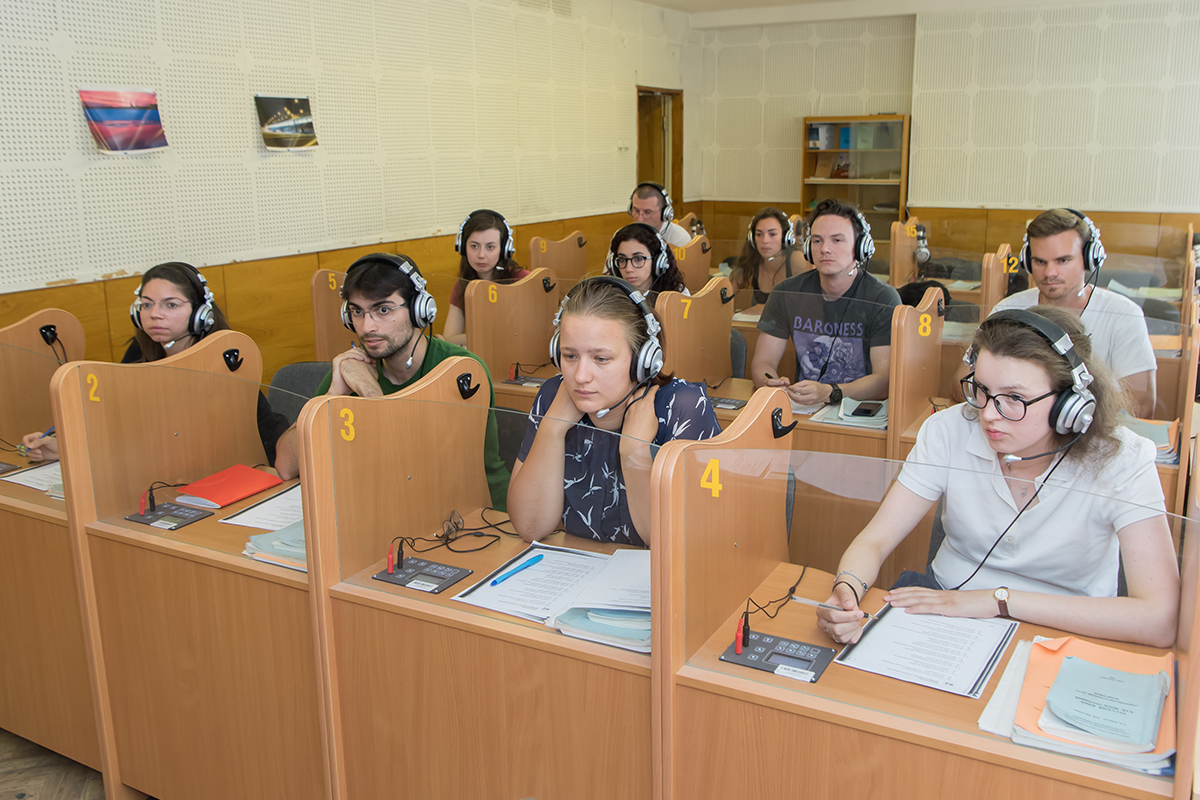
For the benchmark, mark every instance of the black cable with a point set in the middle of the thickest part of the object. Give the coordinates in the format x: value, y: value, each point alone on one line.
x: 782, y: 601
x: 718, y: 385
x: 528, y: 370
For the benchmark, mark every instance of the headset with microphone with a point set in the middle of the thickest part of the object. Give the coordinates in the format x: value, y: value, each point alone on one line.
x: 508, y: 247
x: 864, y: 244
x: 789, y: 234
x: 668, y: 212
x: 202, y: 318
x: 422, y: 309
x: 660, y: 259
x: 647, y: 362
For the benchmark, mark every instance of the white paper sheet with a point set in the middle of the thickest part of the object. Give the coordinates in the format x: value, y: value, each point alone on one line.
x: 276, y: 512
x: 541, y: 591
x: 623, y: 583
x: 953, y: 654
x: 42, y: 477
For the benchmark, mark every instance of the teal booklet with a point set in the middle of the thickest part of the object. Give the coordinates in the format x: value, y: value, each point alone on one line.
x: 1105, y: 707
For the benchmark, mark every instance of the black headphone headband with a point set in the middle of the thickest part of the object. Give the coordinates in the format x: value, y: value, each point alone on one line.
x: 648, y: 360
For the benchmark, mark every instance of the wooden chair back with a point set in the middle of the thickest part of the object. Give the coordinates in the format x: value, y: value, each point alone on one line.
x: 567, y: 257
x: 696, y: 332
x: 512, y: 323
x: 994, y: 274
x: 332, y: 337
x: 916, y: 364
x: 902, y: 259
x: 30, y: 362
x: 694, y: 260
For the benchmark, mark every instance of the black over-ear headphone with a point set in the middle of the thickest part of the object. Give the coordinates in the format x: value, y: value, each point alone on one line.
x: 202, y: 318
x: 508, y: 246
x: 1074, y: 407
x: 668, y: 212
x: 864, y: 245
x: 423, y: 308
x: 660, y: 260
x: 648, y: 360
x: 789, y: 233
x: 1093, y: 249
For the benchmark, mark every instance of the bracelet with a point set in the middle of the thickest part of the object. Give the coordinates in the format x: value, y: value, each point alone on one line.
x: 850, y: 586
x: 852, y: 575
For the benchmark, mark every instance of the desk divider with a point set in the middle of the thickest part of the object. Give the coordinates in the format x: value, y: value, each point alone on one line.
x: 567, y: 257
x: 902, y: 261
x: 28, y: 362
x: 696, y: 331
x: 332, y: 338
x: 512, y: 323
x: 993, y: 284
x: 365, y: 446
x: 694, y: 260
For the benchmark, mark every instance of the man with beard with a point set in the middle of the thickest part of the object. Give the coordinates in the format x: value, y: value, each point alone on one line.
x: 385, y: 303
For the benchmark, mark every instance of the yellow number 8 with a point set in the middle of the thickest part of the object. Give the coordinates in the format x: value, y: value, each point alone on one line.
x: 926, y: 325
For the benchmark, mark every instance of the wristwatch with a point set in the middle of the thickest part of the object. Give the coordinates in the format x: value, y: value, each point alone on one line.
x: 835, y: 394
x: 1001, y: 596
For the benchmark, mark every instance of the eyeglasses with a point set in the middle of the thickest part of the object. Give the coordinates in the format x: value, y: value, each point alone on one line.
x: 379, y: 313
x: 452, y: 526
x: 1010, y: 406
x: 643, y: 214
x: 638, y: 261
x: 167, y: 305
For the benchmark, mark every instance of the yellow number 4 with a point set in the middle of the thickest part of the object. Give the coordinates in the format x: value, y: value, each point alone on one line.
x: 711, y: 479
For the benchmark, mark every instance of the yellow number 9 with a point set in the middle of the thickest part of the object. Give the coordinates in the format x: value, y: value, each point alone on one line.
x: 542, y: 246
x: 492, y: 293
x: 926, y: 325
x: 347, y: 424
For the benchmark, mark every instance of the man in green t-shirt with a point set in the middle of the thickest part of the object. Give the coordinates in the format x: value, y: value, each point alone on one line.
x: 387, y: 306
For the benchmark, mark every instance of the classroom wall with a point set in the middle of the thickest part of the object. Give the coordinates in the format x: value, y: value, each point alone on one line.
x: 424, y: 112
x: 759, y: 82
x: 1093, y: 107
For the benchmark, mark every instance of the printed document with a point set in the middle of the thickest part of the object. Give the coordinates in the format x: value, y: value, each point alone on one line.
x: 276, y: 512
x: 541, y: 591
x: 42, y: 477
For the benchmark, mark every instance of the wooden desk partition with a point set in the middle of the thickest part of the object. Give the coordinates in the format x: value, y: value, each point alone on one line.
x: 45, y: 693
x: 729, y: 731
x: 567, y: 257
x: 696, y: 331
x: 332, y: 337
x: 916, y: 368
x: 513, y: 323
x: 200, y: 658
x: 27, y: 362
x: 993, y: 285
x: 902, y: 259
x: 694, y: 260
x: 426, y: 696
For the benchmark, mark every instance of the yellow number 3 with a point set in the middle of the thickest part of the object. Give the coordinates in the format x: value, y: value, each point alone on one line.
x: 711, y: 479
x: 347, y: 425
x: 926, y: 325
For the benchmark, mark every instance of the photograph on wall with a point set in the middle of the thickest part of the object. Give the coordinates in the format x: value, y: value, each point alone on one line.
x: 123, y: 120
x: 286, y: 122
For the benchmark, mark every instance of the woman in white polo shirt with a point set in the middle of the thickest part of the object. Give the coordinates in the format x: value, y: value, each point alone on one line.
x: 1044, y: 492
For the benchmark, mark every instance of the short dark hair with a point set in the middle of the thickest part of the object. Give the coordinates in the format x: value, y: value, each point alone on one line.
x: 645, y: 191
x: 669, y: 281
x: 837, y: 208
x: 378, y: 278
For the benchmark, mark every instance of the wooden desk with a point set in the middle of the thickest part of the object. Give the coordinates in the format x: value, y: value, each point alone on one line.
x: 852, y: 732
x: 45, y: 693
x: 425, y: 696
x: 201, y: 659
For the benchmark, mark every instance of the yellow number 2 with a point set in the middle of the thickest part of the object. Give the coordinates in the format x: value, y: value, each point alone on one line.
x: 347, y: 425
x: 492, y: 293
x: 711, y: 479
x: 1010, y: 264
x: 926, y: 325
x: 687, y: 306
x: 93, y: 382
x: 333, y: 281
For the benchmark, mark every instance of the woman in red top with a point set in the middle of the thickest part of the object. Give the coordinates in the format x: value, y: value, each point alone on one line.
x: 485, y: 244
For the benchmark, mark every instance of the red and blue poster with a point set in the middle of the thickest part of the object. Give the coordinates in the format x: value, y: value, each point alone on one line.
x: 123, y: 120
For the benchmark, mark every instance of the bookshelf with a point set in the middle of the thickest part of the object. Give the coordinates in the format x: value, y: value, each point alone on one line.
x: 869, y: 156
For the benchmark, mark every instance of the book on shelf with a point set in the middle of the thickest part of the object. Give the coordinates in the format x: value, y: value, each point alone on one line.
x: 846, y: 138
x: 866, y: 137
x: 842, y: 169
x: 825, y: 164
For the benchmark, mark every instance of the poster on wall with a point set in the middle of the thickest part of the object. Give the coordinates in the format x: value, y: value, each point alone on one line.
x: 286, y: 122
x: 123, y: 120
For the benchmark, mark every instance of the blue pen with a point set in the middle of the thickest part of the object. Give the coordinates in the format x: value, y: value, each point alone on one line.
x: 22, y: 449
x: 515, y: 570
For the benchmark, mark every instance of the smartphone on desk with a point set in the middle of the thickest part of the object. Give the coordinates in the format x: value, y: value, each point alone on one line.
x: 866, y: 410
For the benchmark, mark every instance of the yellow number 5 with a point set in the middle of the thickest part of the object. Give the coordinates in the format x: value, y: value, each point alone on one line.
x: 333, y: 281
x: 711, y: 479
x: 347, y: 425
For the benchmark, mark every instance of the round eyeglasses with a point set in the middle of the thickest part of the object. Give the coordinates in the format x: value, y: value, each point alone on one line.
x: 1010, y: 406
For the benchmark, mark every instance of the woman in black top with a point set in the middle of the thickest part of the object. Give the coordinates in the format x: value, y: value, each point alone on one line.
x: 766, y: 258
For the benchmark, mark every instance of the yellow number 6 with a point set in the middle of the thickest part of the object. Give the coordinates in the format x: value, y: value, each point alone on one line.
x: 347, y: 424
x: 492, y: 293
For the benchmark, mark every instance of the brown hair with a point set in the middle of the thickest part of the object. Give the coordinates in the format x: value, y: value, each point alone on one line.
x: 599, y: 298
x: 1056, y: 221
x: 750, y: 259
x: 177, y: 275
x: 1009, y: 338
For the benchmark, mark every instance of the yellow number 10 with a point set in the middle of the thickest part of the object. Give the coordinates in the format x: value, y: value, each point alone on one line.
x: 711, y: 479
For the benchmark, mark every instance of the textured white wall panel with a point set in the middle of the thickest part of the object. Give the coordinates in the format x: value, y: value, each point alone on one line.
x: 1086, y: 106
x: 287, y: 193
x: 789, y: 68
x: 29, y: 20
x: 43, y: 231
x: 214, y: 211
x: 353, y: 196
x: 128, y: 215
x: 739, y: 123
x: 37, y: 126
x: 740, y: 70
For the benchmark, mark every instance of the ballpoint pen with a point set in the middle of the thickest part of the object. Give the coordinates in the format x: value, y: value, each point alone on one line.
x: 517, y: 569
x: 22, y: 449
x: 815, y: 604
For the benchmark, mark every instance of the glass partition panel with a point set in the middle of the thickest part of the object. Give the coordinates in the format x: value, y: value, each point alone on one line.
x: 25, y: 409
x: 1095, y: 528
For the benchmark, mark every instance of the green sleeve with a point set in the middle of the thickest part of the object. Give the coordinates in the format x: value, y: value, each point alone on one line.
x: 323, y: 386
x: 493, y: 464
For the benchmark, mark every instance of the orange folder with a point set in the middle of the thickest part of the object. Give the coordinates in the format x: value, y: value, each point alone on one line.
x: 1045, y: 658
x: 227, y: 486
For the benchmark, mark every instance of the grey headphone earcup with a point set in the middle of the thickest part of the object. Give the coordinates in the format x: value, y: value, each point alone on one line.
x: 1072, y: 412
x: 649, y: 360
x: 554, y: 357
x: 807, y: 248
x: 346, y: 315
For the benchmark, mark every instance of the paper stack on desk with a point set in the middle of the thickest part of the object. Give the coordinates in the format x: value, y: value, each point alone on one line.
x: 843, y: 414
x: 283, y: 548
x: 1087, y: 700
x: 1165, y: 436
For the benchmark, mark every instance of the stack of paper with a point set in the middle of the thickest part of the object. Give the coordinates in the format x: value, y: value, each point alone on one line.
x: 746, y: 316
x: 43, y: 477
x: 1167, y: 346
x: 1142, y: 292
x: 1165, y: 436
x: 283, y: 548
x: 1087, y: 700
x: 843, y: 414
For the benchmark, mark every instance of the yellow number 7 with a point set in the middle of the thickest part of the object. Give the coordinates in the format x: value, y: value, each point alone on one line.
x: 687, y: 306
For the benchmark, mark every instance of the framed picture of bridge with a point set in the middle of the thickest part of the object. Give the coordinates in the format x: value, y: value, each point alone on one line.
x: 286, y: 122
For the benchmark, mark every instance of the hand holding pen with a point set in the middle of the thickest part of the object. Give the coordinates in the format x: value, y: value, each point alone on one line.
x: 839, y: 616
x: 39, y: 446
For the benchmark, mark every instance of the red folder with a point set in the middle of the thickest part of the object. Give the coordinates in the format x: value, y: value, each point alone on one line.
x: 227, y: 486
